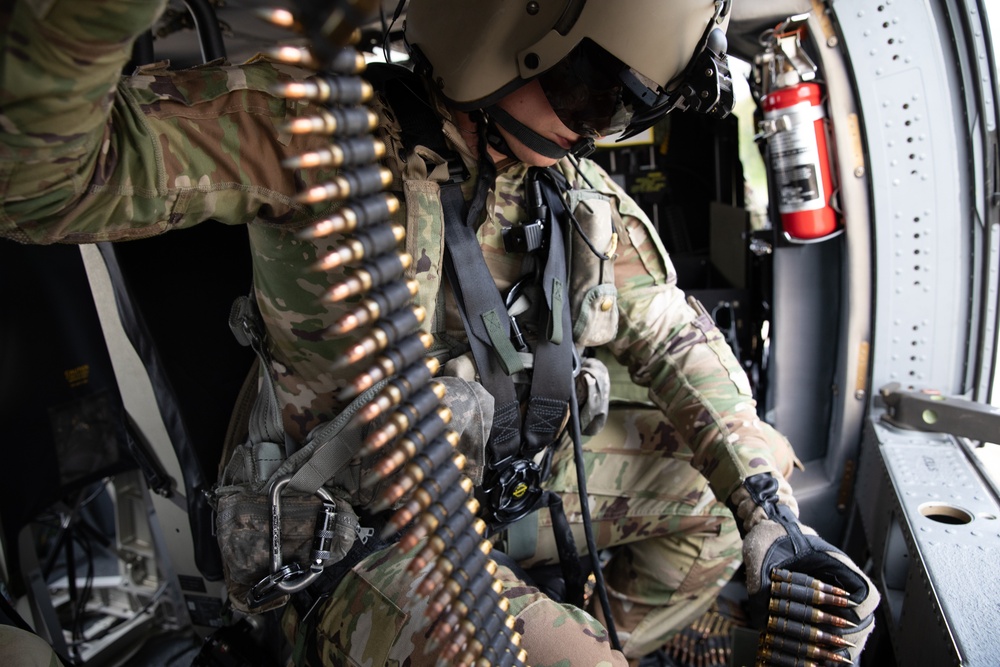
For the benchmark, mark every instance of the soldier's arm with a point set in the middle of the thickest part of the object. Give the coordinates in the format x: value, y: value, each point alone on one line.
x: 673, y: 348
x: 88, y: 156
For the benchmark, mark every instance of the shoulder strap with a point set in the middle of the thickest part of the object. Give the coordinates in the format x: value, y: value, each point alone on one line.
x: 329, y: 449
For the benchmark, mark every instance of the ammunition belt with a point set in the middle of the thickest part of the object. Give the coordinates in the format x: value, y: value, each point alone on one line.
x: 466, y: 614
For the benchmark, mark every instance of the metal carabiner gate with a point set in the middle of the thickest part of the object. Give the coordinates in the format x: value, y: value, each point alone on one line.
x: 291, y: 578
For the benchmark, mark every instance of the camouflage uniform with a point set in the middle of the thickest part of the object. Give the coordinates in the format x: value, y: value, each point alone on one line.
x: 85, y: 157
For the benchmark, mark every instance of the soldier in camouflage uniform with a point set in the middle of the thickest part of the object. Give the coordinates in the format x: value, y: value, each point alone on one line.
x: 86, y: 156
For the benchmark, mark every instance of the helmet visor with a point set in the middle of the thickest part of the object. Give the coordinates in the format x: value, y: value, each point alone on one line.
x: 586, y: 91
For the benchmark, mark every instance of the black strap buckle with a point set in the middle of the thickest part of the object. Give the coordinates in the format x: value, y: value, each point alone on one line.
x: 512, y: 490
x: 524, y: 238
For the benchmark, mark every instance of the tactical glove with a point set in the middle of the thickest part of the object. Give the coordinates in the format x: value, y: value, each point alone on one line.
x: 809, y: 599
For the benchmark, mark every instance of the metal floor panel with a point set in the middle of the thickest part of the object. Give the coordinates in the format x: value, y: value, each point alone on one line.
x: 934, y: 530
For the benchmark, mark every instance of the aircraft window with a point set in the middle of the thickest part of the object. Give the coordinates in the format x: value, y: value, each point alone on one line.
x: 989, y: 453
x: 754, y: 173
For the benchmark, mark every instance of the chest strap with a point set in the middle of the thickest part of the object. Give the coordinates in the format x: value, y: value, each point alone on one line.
x: 512, y: 480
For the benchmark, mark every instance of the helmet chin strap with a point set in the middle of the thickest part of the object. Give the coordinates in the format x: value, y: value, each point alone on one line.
x: 528, y: 137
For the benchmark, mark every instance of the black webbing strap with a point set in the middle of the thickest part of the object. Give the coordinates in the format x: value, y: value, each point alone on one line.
x: 486, y: 321
x: 569, y: 559
x: 526, y: 135
x: 550, y: 381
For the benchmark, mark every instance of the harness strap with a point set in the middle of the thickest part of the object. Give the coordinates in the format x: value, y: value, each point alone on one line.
x: 554, y: 352
x: 484, y: 314
x: 332, y: 445
x: 265, y: 423
x: 486, y: 322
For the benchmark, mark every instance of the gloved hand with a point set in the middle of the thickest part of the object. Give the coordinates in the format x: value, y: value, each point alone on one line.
x: 809, y: 599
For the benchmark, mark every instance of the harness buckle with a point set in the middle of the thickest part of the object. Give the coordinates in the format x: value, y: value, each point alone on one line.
x: 524, y: 238
x: 513, y: 489
x: 363, y: 533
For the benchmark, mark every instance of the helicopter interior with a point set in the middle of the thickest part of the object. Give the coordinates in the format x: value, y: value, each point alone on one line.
x: 119, y: 371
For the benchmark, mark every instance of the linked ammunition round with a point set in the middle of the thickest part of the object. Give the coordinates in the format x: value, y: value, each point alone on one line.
x: 794, y: 647
x: 438, y: 513
x: 342, y: 90
x: 388, y: 299
x: 478, y: 611
x: 427, y: 492
x: 415, y: 474
x: 779, y: 574
x: 405, y: 352
x: 357, y: 183
x: 359, y: 215
x: 343, y: 61
x: 386, y: 332
x: 427, y: 429
x: 805, y: 632
x: 343, y: 122
x: 420, y: 499
x: 461, y: 639
x: 397, y: 390
x: 294, y: 55
x: 490, y: 633
x: 407, y: 414
x: 475, y: 582
x: 769, y: 658
x: 448, y: 560
x: 445, y: 562
x: 279, y: 17
x: 807, y: 595
x: 797, y: 611
x: 456, y: 523
x: 349, y: 152
x: 371, y: 242
x: 373, y: 273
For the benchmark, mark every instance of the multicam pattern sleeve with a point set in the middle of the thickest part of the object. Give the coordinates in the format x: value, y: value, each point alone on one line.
x: 672, y: 347
x: 87, y: 155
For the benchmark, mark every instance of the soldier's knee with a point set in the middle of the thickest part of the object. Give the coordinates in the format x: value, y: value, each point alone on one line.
x: 23, y: 649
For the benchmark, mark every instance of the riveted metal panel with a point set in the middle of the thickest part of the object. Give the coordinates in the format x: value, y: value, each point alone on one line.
x: 918, y: 156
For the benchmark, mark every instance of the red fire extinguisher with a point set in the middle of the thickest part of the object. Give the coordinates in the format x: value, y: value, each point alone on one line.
x: 800, y: 159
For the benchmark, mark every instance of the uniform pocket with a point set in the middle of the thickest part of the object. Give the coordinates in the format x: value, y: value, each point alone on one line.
x: 360, y: 626
x: 594, y: 297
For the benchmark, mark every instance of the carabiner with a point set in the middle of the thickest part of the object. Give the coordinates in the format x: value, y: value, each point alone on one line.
x: 286, y: 579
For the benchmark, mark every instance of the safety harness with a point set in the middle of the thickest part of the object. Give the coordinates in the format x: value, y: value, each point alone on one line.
x: 520, y: 445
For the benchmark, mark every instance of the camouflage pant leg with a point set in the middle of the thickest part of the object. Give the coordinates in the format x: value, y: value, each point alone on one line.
x: 375, y: 617
x: 675, y: 545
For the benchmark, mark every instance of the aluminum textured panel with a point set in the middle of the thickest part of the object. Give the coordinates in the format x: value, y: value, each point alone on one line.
x: 953, y: 522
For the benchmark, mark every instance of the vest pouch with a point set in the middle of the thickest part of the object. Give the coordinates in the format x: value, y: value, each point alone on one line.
x: 593, y: 393
x: 244, y: 508
x: 472, y: 414
x: 594, y: 297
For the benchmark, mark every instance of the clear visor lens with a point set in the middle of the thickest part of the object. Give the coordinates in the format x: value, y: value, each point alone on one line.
x: 586, y: 92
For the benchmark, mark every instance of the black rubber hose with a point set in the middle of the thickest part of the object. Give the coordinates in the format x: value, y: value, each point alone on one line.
x: 588, y: 530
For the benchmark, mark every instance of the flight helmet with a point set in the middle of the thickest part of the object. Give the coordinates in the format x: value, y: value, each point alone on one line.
x: 606, y: 66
